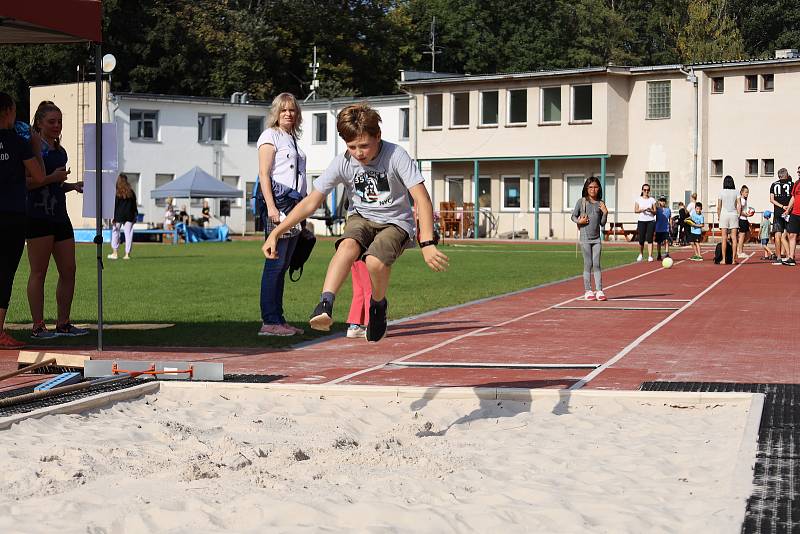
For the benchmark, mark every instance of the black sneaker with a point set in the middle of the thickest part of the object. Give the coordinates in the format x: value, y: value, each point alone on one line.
x: 322, y: 318
x: 70, y: 330
x: 790, y: 262
x: 376, y: 328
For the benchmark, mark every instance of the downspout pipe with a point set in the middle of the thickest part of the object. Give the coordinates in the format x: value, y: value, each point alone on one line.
x: 692, y: 77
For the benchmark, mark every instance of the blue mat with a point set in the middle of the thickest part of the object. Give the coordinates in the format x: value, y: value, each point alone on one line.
x: 86, y: 235
x: 197, y: 234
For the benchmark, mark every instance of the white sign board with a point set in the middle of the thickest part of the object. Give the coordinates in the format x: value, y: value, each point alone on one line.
x: 110, y: 166
x: 90, y: 194
x: 109, y: 147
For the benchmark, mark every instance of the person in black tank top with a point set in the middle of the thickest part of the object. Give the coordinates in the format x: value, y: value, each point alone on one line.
x: 49, y: 230
x: 780, y: 192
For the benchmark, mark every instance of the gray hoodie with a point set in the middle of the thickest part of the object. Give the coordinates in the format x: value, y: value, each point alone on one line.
x: 592, y: 232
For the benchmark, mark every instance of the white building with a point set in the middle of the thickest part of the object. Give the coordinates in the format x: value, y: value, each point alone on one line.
x: 160, y: 137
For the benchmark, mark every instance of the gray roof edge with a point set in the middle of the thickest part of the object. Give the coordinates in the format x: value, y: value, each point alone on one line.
x: 156, y: 97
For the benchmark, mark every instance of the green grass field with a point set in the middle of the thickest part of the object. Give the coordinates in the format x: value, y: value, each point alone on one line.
x: 210, y: 292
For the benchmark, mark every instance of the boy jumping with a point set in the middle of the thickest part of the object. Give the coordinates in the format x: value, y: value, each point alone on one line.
x: 378, y: 176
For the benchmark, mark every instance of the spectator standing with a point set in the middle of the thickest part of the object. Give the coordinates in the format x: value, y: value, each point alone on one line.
x: 793, y: 226
x: 591, y: 214
x: 728, y: 210
x: 49, y: 230
x: 764, y: 233
x: 663, y: 220
x: 696, y: 221
x: 646, y: 226
x: 17, y: 157
x: 683, y: 229
x: 125, y: 213
x: 282, y: 183
x: 169, y: 215
x: 780, y: 193
x: 744, y: 221
x: 206, y: 214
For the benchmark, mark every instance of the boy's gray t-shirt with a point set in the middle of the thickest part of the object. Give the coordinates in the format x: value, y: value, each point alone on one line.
x: 378, y: 191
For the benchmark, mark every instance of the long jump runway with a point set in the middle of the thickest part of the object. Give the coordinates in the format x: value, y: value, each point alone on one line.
x: 695, y: 322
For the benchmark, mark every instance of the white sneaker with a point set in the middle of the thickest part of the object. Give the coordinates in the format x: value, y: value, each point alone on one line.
x: 600, y: 296
x: 589, y: 295
x: 639, y: 257
x: 649, y: 258
x: 113, y: 256
x: 356, y: 331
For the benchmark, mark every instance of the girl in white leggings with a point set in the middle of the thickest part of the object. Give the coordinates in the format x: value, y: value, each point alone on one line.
x: 125, y: 213
x: 590, y: 214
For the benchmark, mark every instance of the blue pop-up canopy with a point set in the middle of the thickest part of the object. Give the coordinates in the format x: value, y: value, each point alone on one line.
x: 196, y: 183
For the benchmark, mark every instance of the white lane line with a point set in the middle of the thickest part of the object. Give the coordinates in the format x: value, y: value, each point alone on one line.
x: 594, y: 308
x: 480, y: 330
x: 494, y: 365
x: 636, y: 342
x: 623, y: 299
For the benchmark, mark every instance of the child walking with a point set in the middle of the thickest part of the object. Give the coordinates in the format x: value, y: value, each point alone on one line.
x: 379, y: 176
x: 359, y: 307
x: 590, y: 214
x: 695, y: 223
x: 764, y: 234
x: 663, y: 220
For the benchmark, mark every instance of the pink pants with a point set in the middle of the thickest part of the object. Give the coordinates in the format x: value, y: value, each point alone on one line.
x: 128, y: 229
x: 362, y: 291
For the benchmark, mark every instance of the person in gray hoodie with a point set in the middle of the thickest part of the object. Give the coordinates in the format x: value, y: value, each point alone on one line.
x: 590, y: 214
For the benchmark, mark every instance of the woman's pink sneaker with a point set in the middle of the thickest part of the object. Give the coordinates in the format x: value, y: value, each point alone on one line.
x: 276, y: 330
x: 599, y: 295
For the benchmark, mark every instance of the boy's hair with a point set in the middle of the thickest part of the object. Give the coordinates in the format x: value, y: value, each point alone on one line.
x: 767, y: 214
x: 681, y: 205
x: 273, y: 117
x: 698, y: 205
x: 6, y: 102
x: 782, y: 172
x: 592, y: 180
x: 357, y: 120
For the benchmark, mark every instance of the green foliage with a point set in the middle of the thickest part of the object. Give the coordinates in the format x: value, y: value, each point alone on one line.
x: 710, y: 34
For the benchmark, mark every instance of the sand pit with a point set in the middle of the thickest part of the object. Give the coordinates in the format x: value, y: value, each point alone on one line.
x: 218, y: 459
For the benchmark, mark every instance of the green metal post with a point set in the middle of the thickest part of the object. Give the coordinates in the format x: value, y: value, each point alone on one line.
x: 603, y: 174
x: 476, y: 196
x: 536, y: 199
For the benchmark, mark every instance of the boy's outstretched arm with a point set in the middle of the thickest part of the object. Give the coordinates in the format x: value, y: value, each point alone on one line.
x: 302, y: 211
x: 435, y: 259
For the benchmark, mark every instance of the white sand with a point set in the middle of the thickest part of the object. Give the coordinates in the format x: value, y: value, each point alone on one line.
x: 232, y: 460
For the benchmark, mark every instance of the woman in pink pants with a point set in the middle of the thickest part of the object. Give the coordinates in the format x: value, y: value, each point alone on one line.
x: 359, y: 308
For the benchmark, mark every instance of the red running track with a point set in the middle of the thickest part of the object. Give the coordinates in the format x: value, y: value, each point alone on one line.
x: 695, y: 322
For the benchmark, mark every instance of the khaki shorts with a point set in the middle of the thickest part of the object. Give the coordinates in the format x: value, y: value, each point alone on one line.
x: 384, y: 241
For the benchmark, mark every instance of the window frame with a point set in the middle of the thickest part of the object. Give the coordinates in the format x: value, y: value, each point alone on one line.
x: 482, y: 124
x: 764, y: 167
x: 315, y: 128
x: 261, y: 120
x: 503, y: 179
x: 427, y: 108
x: 648, y: 96
x: 747, y: 163
x: 712, y: 171
x: 453, y: 125
x: 568, y: 207
x: 510, y: 122
x: 747, y: 87
x: 405, y: 124
x: 763, y: 82
x: 448, y: 179
x: 491, y: 199
x: 572, y: 88
x: 135, y: 181
x: 532, y: 181
x: 161, y: 202
x: 208, y: 139
x: 140, y: 122
x: 542, y: 121
x: 655, y: 192
x: 714, y: 80
x: 237, y: 202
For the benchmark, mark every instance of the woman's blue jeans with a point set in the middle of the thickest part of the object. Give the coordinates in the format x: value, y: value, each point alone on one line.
x: 272, y: 281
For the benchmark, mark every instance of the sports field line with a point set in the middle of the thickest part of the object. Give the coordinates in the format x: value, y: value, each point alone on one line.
x: 480, y: 330
x: 638, y: 341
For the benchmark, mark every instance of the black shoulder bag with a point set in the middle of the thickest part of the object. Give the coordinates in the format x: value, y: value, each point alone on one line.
x: 307, y: 239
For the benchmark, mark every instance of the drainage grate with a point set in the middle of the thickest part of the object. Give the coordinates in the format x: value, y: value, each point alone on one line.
x: 105, y: 388
x: 774, y: 506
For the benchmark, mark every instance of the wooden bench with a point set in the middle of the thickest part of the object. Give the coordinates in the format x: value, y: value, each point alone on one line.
x: 617, y: 229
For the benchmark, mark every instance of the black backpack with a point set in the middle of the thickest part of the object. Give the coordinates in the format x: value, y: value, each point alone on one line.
x: 302, y: 251
x: 728, y: 253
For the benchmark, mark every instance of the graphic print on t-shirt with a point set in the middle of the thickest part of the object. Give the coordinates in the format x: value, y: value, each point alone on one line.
x: 372, y: 186
x: 782, y: 189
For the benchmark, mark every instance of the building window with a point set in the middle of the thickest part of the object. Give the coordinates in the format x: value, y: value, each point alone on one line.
x: 511, y: 193
x: 460, y: 109
x: 716, y: 167
x: 751, y: 83
x: 573, y: 187
x: 718, y: 85
x: 490, y: 102
x: 610, y: 192
x: 751, y: 167
x: 551, y: 104
x: 319, y: 123
x: 404, y: 123
x: 658, y: 100
x: 433, y: 111
x: 581, y: 103
x: 517, y: 106
x: 144, y: 124
x: 133, y: 180
x: 484, y: 192
x: 454, y: 190
x: 544, y: 192
x: 162, y: 179
x: 210, y: 128
x: 659, y: 184
x: 255, y: 125
x: 767, y: 82
x: 233, y: 181
x: 767, y: 167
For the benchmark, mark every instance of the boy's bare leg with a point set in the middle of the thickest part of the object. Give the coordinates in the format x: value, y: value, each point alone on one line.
x: 339, y: 268
x: 379, y: 275
x: 785, y: 243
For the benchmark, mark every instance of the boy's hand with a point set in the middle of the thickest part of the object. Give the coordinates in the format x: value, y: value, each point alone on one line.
x: 435, y: 259
x: 270, y: 247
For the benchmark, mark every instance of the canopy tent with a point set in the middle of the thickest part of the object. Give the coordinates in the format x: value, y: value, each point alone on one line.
x: 196, y: 183
x: 66, y: 21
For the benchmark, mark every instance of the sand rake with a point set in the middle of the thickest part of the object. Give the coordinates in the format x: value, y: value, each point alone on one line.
x: 161, y: 370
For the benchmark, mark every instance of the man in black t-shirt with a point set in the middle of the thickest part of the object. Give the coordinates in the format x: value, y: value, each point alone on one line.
x: 780, y: 192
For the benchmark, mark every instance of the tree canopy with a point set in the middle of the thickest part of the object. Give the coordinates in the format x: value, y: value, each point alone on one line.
x: 263, y: 47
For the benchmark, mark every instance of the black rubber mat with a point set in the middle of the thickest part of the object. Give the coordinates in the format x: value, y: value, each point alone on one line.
x: 122, y: 384
x: 774, y: 506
